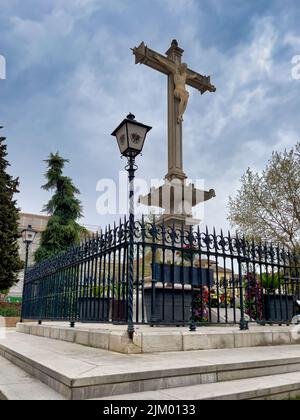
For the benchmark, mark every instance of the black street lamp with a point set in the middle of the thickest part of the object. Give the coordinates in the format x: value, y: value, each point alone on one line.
x: 131, y: 136
x: 28, y: 236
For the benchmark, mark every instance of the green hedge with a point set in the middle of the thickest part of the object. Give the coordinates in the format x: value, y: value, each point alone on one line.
x: 10, y: 309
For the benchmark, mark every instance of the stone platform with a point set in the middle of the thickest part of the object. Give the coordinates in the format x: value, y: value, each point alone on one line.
x: 161, y: 339
x: 78, y: 372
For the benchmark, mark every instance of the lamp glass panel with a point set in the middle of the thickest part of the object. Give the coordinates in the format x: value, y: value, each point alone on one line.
x: 136, y: 136
x: 122, y: 139
x: 24, y: 235
x: 28, y: 235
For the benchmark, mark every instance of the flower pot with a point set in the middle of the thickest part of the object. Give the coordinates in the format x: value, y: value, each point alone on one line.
x: 102, y: 309
x: 177, y: 274
x: 9, y: 322
x: 118, y: 310
x: 278, y: 308
x: 171, y: 305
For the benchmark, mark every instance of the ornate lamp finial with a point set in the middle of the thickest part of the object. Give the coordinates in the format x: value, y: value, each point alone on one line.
x: 130, y: 116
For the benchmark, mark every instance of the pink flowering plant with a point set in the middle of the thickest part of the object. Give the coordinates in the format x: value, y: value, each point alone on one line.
x: 253, y: 297
x: 206, y: 298
x: 187, y: 254
x: 201, y: 306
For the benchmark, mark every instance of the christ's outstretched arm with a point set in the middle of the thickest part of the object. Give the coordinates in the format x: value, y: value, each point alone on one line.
x: 192, y: 76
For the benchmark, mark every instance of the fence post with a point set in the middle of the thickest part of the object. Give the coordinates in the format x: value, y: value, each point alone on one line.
x: 24, y: 282
x: 153, y: 318
x: 23, y: 299
x: 193, y: 327
x: 243, y: 323
x: 241, y: 258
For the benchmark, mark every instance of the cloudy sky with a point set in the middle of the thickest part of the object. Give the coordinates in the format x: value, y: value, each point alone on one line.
x: 71, y: 79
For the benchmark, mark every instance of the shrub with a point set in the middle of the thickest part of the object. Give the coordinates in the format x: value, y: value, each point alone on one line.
x: 272, y: 282
x: 10, y: 309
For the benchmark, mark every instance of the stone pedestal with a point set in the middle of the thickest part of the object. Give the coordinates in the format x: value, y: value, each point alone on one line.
x: 177, y: 198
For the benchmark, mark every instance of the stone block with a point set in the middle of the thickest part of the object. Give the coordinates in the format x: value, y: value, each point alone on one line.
x: 295, y: 334
x: 195, y: 341
x: 96, y: 391
x: 99, y: 340
x: 281, y: 338
x: 138, y: 339
x: 220, y: 341
x: 11, y: 322
x: 33, y: 329
x: 82, y: 337
x: 208, y: 378
x: 121, y: 343
x: 55, y: 333
x: 23, y: 328
x: 67, y: 334
x: 40, y: 331
x: 170, y: 382
x: 162, y: 342
x: 253, y: 339
x: 46, y: 332
x: 257, y: 372
x: 202, y: 341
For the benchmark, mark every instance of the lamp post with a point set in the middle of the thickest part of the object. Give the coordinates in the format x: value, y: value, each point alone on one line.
x: 28, y: 236
x: 131, y: 136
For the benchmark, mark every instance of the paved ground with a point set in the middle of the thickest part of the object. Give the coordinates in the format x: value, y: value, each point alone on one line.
x: 73, y: 360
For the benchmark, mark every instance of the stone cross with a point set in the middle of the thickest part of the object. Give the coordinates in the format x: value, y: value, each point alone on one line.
x: 179, y: 75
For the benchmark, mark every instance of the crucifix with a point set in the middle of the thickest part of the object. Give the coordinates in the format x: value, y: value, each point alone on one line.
x: 175, y: 196
x: 179, y: 75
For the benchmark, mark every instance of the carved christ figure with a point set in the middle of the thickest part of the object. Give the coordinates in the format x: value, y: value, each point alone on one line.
x: 180, y: 80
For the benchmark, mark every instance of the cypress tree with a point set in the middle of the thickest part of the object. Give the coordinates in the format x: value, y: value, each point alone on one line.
x: 10, y: 262
x: 64, y: 209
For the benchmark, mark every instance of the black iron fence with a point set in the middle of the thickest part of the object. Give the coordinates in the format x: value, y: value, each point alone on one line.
x: 181, y: 277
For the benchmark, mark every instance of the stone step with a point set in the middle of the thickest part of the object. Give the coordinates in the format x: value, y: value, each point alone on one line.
x: 15, y: 384
x: 78, y: 372
x: 150, y: 340
x: 275, y: 387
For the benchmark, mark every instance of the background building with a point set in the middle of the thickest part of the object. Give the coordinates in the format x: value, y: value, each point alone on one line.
x: 39, y: 224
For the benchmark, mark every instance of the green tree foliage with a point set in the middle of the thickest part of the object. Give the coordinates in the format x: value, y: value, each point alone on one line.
x: 267, y: 206
x: 64, y: 209
x: 10, y: 263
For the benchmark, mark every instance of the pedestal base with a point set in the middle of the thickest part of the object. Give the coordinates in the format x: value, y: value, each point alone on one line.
x: 177, y: 199
x: 178, y: 220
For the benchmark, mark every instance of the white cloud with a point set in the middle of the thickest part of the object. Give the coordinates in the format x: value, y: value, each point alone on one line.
x: 292, y: 40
